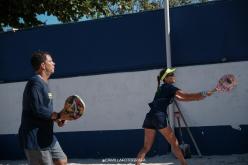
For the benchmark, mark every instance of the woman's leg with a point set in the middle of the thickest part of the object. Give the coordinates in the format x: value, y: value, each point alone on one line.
x: 171, y: 138
x: 148, y: 141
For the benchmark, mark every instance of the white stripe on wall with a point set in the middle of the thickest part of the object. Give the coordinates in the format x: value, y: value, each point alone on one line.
x: 120, y: 100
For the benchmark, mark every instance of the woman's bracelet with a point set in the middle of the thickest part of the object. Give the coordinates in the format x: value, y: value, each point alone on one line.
x: 204, y: 93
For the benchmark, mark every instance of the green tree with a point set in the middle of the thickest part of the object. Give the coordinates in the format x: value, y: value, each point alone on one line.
x: 174, y: 3
x: 23, y: 13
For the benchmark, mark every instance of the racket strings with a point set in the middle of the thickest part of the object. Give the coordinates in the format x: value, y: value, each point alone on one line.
x: 74, y: 106
x: 226, y: 83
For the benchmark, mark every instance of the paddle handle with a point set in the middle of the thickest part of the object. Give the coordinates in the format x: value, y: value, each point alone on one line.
x: 213, y: 90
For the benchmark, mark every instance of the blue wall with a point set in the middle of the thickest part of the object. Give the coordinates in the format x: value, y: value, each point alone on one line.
x: 211, y: 33
x: 219, y: 140
x: 200, y: 34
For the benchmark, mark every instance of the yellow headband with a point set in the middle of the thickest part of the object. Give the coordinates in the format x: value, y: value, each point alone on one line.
x: 168, y: 70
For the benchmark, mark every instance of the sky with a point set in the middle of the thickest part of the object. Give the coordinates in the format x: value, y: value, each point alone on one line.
x: 50, y: 20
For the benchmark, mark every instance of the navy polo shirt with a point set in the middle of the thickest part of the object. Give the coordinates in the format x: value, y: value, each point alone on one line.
x: 36, y: 129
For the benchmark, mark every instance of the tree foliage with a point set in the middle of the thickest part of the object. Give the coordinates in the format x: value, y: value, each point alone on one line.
x: 23, y: 13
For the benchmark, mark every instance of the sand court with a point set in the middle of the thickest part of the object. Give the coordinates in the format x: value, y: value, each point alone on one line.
x: 238, y: 159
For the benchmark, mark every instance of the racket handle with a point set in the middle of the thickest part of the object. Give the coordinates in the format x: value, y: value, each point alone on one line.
x: 213, y: 90
x: 208, y: 93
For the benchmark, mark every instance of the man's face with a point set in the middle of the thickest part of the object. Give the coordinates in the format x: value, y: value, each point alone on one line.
x: 49, y: 65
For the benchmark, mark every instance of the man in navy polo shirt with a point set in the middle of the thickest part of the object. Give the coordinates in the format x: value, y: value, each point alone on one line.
x: 36, y: 130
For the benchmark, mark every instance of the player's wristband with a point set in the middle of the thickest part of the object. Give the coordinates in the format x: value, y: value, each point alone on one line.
x: 204, y: 93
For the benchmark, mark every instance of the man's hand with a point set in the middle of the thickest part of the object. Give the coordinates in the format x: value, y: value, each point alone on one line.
x: 62, y: 116
x: 60, y: 123
x: 54, y: 116
x: 66, y: 116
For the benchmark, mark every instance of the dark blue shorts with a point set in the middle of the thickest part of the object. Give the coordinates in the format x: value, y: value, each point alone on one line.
x: 157, y: 120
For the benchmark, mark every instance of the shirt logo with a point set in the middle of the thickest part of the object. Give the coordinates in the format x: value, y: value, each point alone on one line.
x: 50, y: 95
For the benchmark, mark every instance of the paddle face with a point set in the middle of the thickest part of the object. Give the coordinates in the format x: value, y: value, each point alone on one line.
x: 226, y: 83
x: 74, y: 106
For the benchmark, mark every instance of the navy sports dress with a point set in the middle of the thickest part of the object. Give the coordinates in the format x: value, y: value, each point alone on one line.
x: 156, y: 118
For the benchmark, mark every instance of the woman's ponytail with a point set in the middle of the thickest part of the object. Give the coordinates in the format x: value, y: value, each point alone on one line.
x: 159, y: 76
x: 158, y: 79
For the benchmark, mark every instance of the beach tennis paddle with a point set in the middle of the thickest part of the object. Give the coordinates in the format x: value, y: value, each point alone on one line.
x: 226, y: 83
x: 74, y: 107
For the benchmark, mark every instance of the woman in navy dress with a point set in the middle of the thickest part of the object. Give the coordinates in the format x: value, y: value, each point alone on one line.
x: 157, y: 118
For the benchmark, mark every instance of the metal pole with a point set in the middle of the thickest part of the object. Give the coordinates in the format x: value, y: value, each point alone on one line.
x: 168, y: 53
x: 167, y: 32
x: 188, y: 130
